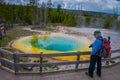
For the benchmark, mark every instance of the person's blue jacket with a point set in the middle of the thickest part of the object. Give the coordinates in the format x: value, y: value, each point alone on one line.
x: 96, y: 46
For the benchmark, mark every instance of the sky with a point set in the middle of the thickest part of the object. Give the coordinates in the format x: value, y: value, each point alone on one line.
x: 108, y: 6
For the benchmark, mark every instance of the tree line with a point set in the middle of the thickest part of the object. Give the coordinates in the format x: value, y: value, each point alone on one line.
x: 31, y: 14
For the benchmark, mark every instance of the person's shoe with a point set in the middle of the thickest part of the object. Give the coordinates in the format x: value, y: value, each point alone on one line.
x: 99, y: 75
x: 88, y: 74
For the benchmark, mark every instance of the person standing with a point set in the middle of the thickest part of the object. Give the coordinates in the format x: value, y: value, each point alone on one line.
x: 94, y: 58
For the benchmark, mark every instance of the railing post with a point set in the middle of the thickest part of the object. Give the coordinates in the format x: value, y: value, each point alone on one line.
x: 1, y: 56
x: 15, y: 61
x: 41, y: 61
x: 108, y: 61
x: 77, y: 61
x: 0, y: 60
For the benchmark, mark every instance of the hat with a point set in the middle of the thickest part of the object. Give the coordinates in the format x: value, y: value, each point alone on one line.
x: 97, y: 32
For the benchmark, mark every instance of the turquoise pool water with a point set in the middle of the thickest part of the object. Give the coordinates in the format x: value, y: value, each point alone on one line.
x: 58, y: 43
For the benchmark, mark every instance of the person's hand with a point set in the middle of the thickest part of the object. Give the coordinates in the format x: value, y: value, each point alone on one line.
x: 90, y: 46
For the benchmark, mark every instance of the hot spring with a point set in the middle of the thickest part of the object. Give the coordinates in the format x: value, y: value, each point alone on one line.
x: 53, y: 43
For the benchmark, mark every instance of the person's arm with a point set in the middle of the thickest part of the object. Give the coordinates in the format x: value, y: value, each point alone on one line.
x: 95, y: 47
x: 90, y: 46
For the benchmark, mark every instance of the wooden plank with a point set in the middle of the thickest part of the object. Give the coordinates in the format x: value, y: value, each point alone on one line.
x: 28, y: 55
x: 47, y: 55
x: 51, y: 55
x: 6, y: 52
x: 108, y: 59
x: 114, y: 51
x: 64, y: 54
x: 77, y: 63
x: 59, y: 63
x: 83, y: 62
x: 71, y: 54
x: 7, y: 61
x: 7, y: 69
x: 58, y: 54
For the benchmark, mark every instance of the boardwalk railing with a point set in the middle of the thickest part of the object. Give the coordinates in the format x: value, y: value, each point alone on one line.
x: 9, y: 60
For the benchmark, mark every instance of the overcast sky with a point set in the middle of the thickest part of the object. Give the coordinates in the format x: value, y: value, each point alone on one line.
x: 110, y: 6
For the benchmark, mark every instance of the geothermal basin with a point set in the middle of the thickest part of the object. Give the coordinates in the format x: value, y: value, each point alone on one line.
x: 53, y: 43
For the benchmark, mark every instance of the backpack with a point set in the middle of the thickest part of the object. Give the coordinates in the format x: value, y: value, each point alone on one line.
x: 105, y: 48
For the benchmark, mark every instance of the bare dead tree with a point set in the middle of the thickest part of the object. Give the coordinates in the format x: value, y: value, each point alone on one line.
x: 79, y: 16
x: 34, y: 3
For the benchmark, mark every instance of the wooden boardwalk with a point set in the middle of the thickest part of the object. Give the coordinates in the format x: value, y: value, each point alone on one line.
x: 111, y: 73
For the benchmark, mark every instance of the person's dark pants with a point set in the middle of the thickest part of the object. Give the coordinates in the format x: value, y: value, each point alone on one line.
x: 93, y: 60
